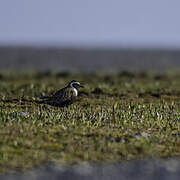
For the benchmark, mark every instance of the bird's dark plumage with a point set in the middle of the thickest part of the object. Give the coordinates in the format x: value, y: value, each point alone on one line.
x: 65, y: 96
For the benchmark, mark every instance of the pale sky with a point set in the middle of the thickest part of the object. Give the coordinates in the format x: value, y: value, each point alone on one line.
x: 144, y: 23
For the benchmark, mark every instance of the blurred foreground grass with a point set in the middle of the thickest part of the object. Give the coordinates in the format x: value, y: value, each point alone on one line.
x: 118, y: 117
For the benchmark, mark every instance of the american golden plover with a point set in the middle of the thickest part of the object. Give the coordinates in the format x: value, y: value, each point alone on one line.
x: 65, y: 96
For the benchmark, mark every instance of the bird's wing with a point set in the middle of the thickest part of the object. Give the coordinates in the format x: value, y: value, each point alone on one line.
x: 62, y: 97
x: 65, y: 94
x: 59, y: 93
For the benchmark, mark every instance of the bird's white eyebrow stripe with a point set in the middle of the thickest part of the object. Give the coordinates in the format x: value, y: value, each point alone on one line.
x: 74, y: 83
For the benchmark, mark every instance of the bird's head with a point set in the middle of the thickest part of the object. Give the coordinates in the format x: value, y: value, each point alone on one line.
x: 75, y: 84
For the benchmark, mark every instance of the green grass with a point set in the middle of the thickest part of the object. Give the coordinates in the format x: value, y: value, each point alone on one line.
x: 131, y: 116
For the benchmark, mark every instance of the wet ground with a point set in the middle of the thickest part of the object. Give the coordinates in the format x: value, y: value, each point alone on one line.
x: 136, y: 170
x: 87, y: 60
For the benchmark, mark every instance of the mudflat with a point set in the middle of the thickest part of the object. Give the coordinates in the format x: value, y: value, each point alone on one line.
x: 87, y: 60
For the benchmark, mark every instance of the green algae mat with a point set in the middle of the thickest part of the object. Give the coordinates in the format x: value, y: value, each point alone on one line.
x: 120, y: 116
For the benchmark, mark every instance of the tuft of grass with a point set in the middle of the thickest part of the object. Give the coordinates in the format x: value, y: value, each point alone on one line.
x: 117, y: 117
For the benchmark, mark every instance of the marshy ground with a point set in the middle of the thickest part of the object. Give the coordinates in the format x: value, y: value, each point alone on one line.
x: 119, y: 116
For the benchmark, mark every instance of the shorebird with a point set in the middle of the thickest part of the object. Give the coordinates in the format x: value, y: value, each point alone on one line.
x: 64, y: 96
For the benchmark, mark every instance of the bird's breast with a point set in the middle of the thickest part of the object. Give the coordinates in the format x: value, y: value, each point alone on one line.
x: 75, y: 91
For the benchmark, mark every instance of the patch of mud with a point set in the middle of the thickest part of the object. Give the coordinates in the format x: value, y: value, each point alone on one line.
x: 98, y: 91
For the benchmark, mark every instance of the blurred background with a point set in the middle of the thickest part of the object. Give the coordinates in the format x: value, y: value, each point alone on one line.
x: 89, y: 35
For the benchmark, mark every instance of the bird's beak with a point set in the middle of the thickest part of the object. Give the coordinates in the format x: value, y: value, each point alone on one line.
x: 81, y: 86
